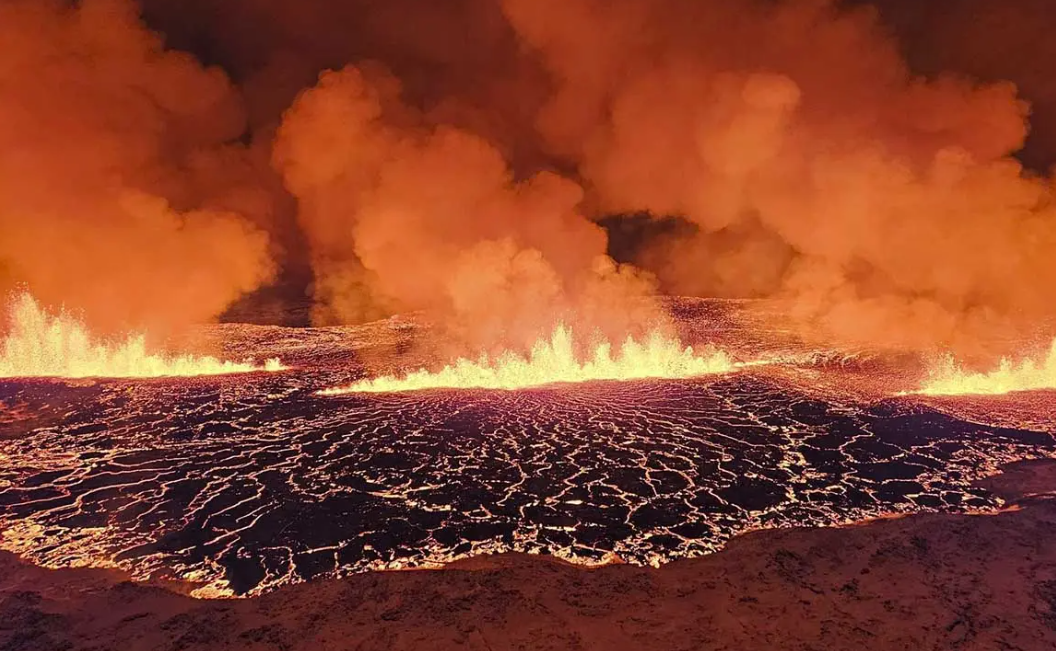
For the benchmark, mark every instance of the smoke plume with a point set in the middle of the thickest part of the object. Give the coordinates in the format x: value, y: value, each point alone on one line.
x: 118, y: 196
x: 404, y: 214
x: 887, y: 208
x: 459, y: 160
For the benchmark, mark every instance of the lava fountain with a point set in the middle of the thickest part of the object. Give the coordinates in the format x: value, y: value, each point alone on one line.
x: 553, y: 361
x: 948, y: 378
x: 39, y: 344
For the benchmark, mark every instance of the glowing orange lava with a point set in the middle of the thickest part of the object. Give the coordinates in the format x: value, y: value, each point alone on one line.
x: 553, y: 361
x: 948, y: 378
x: 43, y: 345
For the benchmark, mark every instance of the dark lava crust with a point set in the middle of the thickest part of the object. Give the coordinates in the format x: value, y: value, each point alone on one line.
x: 254, y: 482
x: 929, y: 582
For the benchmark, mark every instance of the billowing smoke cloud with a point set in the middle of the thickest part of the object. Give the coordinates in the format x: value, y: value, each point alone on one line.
x: 814, y: 166
x: 405, y: 214
x: 117, y: 194
x: 459, y: 59
x: 991, y: 41
x: 466, y: 176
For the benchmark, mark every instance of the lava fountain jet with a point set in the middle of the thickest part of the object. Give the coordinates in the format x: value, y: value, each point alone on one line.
x: 553, y: 361
x: 43, y: 345
x: 948, y: 378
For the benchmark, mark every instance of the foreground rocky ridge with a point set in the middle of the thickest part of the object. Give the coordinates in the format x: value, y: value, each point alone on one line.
x: 920, y: 582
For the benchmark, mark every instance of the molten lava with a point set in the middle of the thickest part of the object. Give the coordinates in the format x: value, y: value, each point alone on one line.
x: 553, y: 361
x: 43, y: 345
x: 948, y: 378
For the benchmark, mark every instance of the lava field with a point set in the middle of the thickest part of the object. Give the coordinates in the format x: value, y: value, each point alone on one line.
x: 240, y: 484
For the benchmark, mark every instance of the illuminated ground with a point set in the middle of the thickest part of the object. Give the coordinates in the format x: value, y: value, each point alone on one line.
x: 250, y: 482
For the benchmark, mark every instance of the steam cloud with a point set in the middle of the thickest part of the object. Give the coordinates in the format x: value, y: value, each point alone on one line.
x: 464, y: 174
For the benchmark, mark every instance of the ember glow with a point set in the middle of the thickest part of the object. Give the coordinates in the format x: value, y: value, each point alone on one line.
x: 44, y: 345
x: 949, y: 378
x: 553, y: 361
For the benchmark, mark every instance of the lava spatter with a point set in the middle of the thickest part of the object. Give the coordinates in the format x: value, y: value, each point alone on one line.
x: 39, y: 344
x: 948, y: 378
x: 554, y: 361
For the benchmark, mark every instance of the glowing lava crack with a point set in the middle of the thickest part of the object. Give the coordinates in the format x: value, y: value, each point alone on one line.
x: 41, y: 345
x: 553, y: 361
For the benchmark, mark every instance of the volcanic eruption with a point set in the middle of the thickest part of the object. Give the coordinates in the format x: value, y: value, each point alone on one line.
x: 609, y: 279
x: 849, y: 188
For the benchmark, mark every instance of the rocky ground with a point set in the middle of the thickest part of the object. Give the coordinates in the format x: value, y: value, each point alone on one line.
x: 916, y: 583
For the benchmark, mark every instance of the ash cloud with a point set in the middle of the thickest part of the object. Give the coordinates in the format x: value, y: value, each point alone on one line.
x: 459, y: 157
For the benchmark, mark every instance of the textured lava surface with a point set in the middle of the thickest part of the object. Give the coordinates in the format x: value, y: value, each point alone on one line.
x: 245, y: 483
